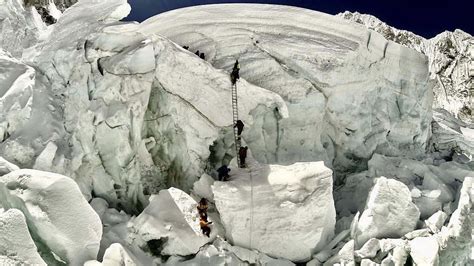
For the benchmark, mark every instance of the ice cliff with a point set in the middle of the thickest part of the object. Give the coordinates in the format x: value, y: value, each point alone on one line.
x: 451, y: 62
x: 322, y: 71
x: 348, y: 163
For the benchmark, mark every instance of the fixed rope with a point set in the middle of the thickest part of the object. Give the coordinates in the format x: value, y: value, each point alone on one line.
x: 235, y: 117
x: 251, y: 209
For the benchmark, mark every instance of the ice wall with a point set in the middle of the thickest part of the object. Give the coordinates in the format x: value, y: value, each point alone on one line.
x: 121, y: 112
x: 451, y: 62
x: 350, y: 92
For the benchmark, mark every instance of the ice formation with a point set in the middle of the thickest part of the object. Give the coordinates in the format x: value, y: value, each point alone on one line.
x: 57, y: 214
x: 16, y: 245
x: 319, y: 69
x: 349, y: 163
x: 451, y: 62
x: 171, y: 217
x: 390, y: 212
x: 267, y: 204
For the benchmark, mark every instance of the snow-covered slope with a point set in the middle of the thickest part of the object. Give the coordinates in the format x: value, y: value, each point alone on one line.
x: 451, y: 62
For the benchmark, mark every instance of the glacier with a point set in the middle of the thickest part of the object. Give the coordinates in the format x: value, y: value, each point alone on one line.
x: 318, y: 69
x: 360, y: 137
x: 451, y: 62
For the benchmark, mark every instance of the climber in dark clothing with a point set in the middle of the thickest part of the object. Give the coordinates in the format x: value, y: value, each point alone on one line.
x: 234, y: 76
x: 202, y: 56
x: 206, y: 230
x: 197, y: 53
x: 223, y: 173
x: 243, y: 155
x: 186, y: 47
x: 240, y: 127
x: 202, y: 207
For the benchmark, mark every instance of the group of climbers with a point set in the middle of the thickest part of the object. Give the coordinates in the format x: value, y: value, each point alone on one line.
x: 203, y: 221
x: 223, y: 171
x: 243, y: 150
x: 201, y: 55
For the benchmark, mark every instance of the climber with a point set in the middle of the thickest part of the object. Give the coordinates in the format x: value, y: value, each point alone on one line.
x: 202, y: 208
x: 197, y: 53
x: 186, y: 47
x: 223, y: 173
x: 240, y: 127
x: 234, y: 76
x: 202, y: 56
x: 206, y: 230
x: 243, y: 155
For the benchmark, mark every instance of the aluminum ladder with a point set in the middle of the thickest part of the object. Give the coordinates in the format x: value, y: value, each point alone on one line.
x: 235, y: 117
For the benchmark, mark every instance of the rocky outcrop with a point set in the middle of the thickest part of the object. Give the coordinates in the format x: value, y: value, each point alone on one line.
x: 267, y: 204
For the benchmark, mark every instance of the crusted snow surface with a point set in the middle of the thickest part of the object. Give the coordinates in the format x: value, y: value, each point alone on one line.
x: 290, y: 205
x: 323, y: 67
x: 450, y: 57
x: 171, y: 217
x: 57, y: 214
x: 16, y: 245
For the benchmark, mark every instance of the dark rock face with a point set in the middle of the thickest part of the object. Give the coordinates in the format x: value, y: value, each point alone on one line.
x: 61, y: 4
x: 40, y: 6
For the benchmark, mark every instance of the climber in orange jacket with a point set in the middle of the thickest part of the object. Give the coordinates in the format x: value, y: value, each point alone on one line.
x: 206, y: 230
